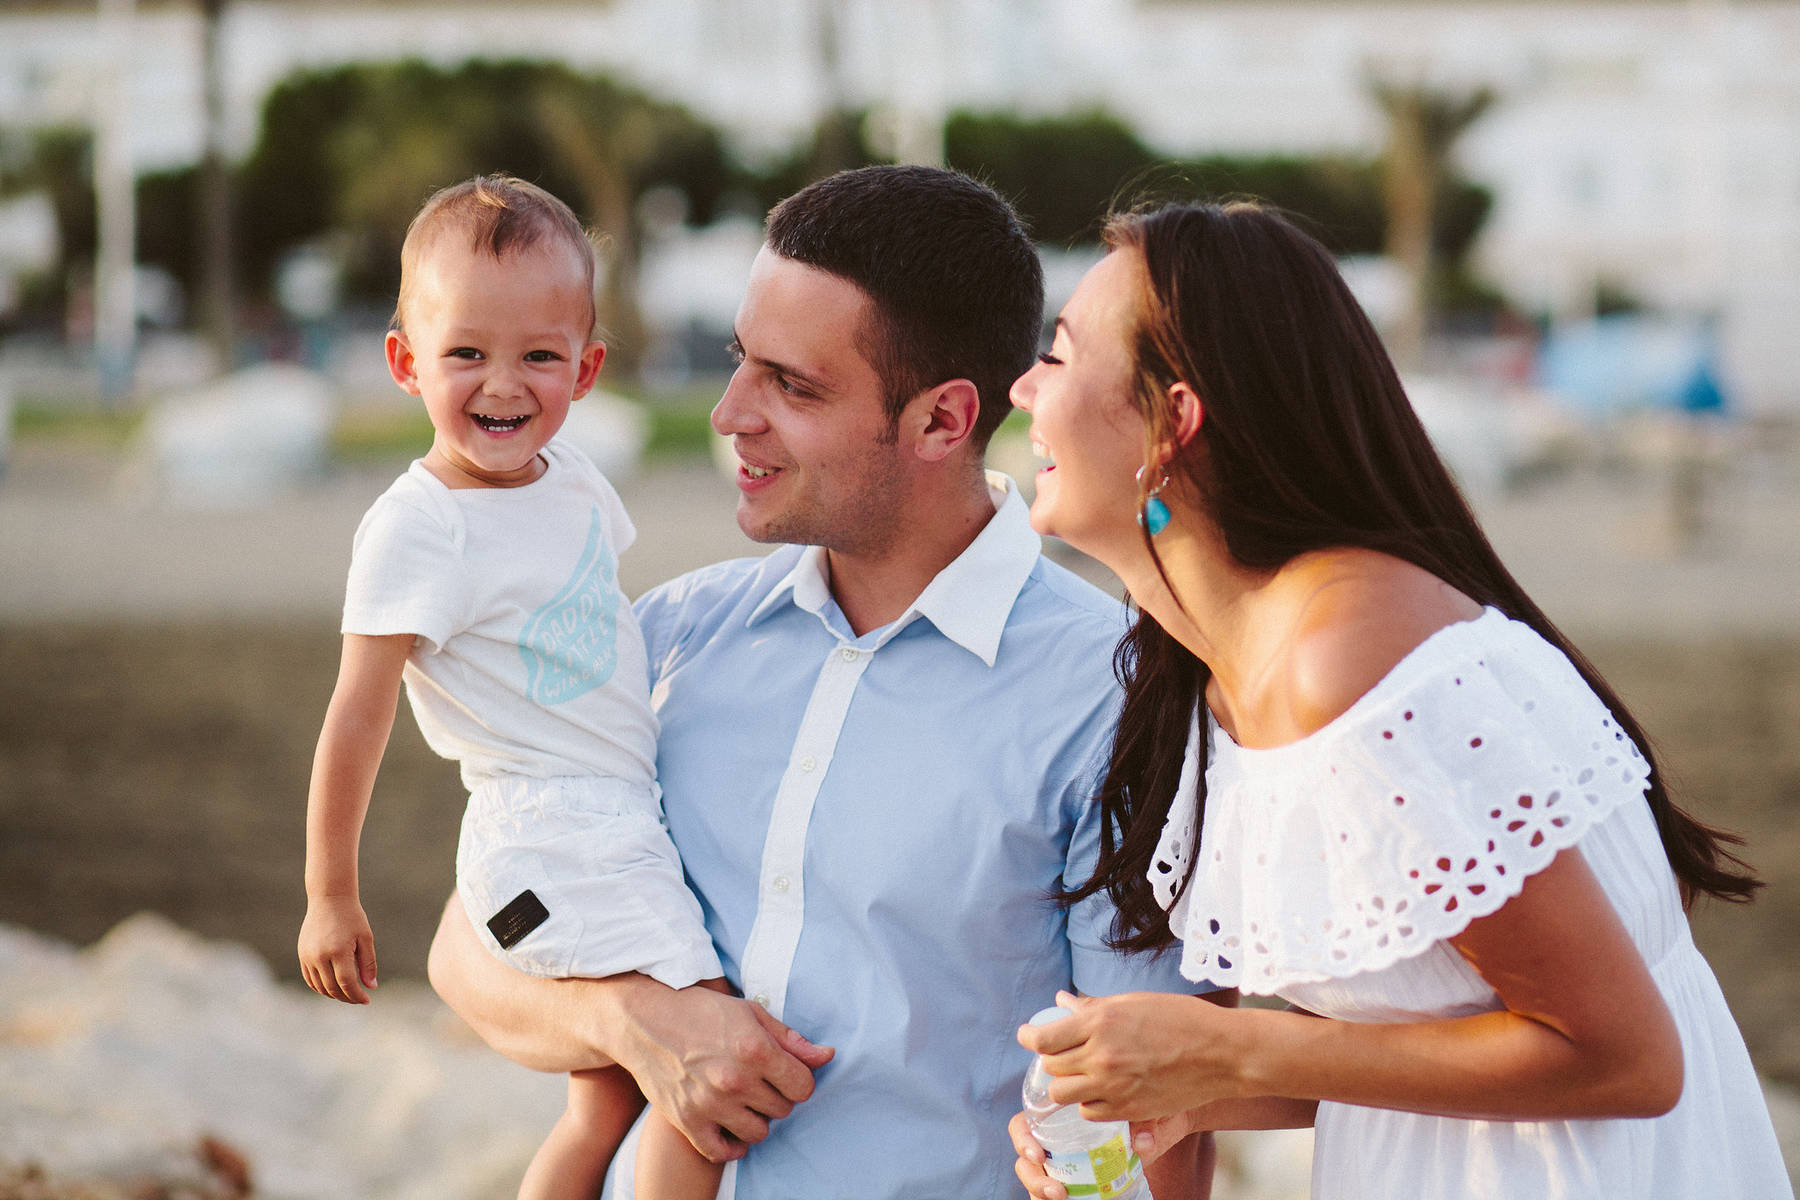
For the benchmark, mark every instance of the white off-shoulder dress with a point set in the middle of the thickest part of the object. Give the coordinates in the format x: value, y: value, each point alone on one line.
x: 1332, y: 871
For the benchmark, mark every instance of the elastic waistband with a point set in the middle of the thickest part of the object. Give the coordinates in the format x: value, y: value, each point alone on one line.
x: 600, y: 793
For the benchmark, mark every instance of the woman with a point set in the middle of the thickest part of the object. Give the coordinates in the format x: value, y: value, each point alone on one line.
x: 1421, y: 815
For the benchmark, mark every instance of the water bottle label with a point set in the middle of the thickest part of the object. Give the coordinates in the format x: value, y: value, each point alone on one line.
x: 1107, y: 1170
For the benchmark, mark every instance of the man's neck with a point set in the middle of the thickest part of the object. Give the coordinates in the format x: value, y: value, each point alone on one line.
x: 876, y: 586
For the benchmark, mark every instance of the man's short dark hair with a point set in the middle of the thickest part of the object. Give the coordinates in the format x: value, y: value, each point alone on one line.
x: 957, y: 287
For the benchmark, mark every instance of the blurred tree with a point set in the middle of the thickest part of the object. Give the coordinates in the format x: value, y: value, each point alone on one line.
x: 59, y: 163
x: 839, y: 141
x: 1423, y: 125
x: 1064, y: 173
x: 357, y: 149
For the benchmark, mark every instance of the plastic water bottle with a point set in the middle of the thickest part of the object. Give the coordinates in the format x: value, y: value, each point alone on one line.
x: 1089, y: 1158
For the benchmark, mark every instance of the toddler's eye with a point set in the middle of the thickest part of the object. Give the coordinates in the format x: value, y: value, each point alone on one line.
x: 468, y: 352
x: 542, y: 356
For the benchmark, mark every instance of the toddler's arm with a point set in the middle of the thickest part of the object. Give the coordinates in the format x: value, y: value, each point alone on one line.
x: 337, y: 949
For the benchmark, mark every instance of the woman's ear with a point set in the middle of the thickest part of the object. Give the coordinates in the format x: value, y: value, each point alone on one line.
x: 1190, y: 413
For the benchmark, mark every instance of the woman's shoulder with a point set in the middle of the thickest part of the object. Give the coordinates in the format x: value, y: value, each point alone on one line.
x: 1355, y: 617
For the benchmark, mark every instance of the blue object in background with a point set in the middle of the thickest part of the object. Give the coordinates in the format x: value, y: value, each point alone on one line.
x: 1629, y: 362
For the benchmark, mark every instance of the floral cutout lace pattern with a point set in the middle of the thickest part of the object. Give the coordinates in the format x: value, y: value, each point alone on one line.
x: 1424, y: 806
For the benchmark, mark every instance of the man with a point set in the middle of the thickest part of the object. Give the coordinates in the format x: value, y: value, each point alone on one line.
x: 879, y: 743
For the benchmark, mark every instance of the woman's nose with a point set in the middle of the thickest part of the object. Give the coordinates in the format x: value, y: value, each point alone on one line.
x: 1023, y: 389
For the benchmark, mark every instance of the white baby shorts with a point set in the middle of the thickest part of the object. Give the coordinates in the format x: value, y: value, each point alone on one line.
x: 575, y: 876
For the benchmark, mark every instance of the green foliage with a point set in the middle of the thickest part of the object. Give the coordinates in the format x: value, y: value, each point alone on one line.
x: 168, y: 236
x: 1063, y: 173
x: 1066, y: 173
x: 839, y: 142
x: 60, y: 163
x: 358, y: 148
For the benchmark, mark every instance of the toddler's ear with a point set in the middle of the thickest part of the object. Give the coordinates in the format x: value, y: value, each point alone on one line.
x: 400, y: 362
x: 592, y: 355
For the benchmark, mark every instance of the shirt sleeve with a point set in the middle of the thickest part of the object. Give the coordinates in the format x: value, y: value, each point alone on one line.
x: 406, y: 575
x: 1097, y: 968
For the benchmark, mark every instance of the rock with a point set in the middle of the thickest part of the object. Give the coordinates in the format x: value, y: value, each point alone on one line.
x: 159, y: 1055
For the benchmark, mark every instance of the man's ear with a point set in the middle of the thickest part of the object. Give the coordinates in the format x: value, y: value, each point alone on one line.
x: 400, y: 362
x: 950, y: 411
x: 592, y: 355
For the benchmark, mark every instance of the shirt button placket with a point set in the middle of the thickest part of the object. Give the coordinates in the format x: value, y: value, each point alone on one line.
x: 775, y: 934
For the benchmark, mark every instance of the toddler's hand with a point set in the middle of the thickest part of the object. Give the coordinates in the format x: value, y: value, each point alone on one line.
x: 337, y: 949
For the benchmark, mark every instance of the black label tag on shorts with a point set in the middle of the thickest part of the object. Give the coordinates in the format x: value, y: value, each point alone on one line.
x: 524, y: 914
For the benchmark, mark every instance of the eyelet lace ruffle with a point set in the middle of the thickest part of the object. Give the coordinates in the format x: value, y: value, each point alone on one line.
x: 1424, y: 806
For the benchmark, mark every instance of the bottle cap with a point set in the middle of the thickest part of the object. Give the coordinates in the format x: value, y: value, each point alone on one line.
x: 1048, y: 1016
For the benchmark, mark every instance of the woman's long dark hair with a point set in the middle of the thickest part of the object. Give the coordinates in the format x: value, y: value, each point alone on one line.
x: 1308, y: 443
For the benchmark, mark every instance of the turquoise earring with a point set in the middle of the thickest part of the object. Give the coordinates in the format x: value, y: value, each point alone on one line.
x: 1154, y: 516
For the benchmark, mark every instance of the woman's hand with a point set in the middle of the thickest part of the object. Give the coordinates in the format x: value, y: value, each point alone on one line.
x: 1141, y: 1056
x: 1150, y: 1140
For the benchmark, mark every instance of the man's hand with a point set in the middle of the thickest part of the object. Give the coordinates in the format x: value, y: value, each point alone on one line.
x: 719, y: 1068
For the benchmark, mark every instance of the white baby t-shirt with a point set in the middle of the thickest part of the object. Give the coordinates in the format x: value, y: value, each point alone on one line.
x: 529, y: 660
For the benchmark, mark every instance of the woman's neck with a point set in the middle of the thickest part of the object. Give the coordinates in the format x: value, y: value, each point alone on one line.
x: 1210, y: 603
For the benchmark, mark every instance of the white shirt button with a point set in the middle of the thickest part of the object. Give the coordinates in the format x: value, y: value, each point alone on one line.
x: 849, y: 654
x: 808, y: 763
x: 761, y: 999
x: 780, y: 883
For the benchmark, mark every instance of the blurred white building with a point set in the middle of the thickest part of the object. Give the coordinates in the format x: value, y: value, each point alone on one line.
x: 1652, y: 146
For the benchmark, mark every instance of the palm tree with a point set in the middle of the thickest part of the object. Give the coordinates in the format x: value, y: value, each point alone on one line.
x: 1423, y: 126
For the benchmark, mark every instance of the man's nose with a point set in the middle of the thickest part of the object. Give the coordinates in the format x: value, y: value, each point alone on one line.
x: 737, y: 412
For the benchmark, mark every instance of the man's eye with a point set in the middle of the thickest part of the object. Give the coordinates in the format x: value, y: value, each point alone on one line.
x: 736, y: 351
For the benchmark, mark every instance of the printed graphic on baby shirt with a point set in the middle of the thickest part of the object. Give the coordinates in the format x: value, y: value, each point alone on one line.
x: 571, y: 645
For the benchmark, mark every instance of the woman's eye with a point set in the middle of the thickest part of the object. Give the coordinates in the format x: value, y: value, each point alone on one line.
x: 1049, y: 360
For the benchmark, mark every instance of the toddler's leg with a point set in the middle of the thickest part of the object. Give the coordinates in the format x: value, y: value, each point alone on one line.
x: 572, y: 1162
x: 668, y: 1166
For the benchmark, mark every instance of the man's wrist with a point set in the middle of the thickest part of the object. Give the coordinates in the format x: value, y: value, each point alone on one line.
x: 629, y: 1006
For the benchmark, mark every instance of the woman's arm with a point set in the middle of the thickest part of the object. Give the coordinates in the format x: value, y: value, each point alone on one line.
x: 336, y: 946
x: 718, y: 1067
x: 1584, y: 1033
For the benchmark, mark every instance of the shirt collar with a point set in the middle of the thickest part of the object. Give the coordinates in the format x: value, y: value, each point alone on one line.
x: 969, y: 600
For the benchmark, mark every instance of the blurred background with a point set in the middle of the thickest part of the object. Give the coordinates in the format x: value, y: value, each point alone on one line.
x: 1577, y: 225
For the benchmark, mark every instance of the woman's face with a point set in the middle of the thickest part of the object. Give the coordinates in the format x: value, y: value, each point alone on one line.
x: 1083, y: 419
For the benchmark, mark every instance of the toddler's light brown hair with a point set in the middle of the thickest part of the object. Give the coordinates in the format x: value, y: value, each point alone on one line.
x: 501, y: 215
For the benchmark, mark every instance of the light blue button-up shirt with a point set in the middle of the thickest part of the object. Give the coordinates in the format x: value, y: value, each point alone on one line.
x: 872, y: 824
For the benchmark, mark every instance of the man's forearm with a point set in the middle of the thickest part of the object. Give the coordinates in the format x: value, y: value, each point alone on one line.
x: 557, y: 1025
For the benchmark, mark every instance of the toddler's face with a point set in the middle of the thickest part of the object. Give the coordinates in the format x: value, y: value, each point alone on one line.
x: 497, y: 349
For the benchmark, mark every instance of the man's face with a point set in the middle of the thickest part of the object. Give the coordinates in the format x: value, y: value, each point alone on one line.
x: 817, y: 464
